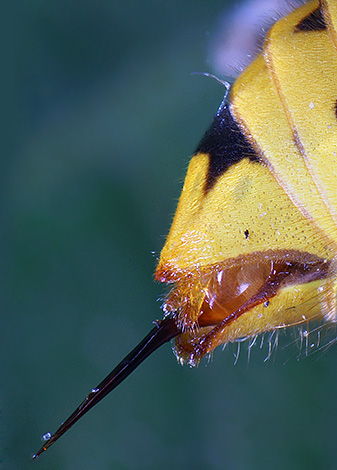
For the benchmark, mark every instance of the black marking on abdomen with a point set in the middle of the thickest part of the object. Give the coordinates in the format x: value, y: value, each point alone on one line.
x: 313, y: 22
x: 226, y: 145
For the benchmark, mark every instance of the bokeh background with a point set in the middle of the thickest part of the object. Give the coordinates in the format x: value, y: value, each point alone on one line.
x: 101, y: 114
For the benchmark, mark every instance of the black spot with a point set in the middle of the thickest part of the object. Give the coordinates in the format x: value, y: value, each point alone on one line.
x: 266, y: 303
x: 246, y: 232
x: 226, y: 145
x: 313, y: 22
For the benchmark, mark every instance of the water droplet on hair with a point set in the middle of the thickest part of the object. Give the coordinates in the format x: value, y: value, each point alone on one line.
x: 46, y: 436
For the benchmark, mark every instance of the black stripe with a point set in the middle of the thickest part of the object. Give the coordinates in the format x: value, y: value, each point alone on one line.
x: 226, y: 145
x: 313, y: 22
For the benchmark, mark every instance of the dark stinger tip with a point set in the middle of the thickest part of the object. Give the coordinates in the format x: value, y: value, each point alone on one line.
x: 163, y: 332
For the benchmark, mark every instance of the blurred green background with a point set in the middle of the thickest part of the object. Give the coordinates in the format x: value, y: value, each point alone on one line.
x: 101, y: 116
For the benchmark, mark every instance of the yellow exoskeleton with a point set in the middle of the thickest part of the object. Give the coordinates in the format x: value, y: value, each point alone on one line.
x: 253, y: 244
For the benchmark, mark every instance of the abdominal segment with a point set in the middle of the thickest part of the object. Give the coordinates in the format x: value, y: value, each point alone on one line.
x: 257, y: 293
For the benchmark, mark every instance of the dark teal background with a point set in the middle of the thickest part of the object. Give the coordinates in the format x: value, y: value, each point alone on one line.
x: 101, y: 116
